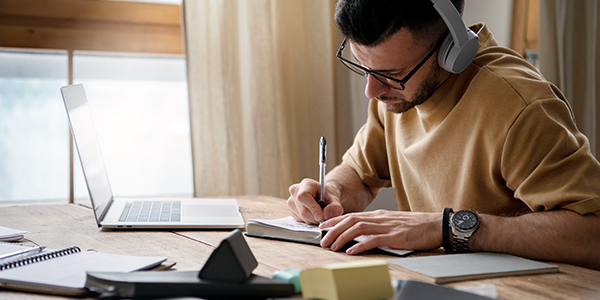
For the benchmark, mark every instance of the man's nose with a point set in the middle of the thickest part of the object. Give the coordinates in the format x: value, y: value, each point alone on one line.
x: 375, y: 88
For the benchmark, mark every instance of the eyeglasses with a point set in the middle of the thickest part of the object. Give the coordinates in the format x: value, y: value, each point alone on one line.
x: 392, y: 82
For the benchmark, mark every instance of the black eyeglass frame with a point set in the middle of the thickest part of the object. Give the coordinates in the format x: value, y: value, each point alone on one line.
x: 350, y: 65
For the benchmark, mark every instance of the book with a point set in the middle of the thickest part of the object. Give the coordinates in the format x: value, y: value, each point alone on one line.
x: 288, y: 229
x: 11, y: 235
x: 148, y: 284
x: 469, y: 266
x: 63, y: 272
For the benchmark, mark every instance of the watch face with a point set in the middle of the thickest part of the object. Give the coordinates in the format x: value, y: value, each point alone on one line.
x: 464, y: 220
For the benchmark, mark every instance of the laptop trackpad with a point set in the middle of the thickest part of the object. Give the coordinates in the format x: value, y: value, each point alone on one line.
x: 211, y: 210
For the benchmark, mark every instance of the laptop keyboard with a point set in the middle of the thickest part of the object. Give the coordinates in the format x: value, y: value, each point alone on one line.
x: 151, y: 211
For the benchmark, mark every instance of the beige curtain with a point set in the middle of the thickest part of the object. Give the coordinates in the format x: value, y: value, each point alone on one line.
x: 569, y: 57
x: 263, y: 82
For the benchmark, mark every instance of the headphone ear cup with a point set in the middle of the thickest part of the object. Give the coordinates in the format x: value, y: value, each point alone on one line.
x: 455, y: 59
x: 445, y: 49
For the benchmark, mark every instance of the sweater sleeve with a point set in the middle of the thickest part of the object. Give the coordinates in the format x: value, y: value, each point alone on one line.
x: 367, y: 155
x: 547, y: 162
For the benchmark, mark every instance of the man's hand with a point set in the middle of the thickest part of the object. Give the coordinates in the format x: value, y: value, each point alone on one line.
x: 344, y: 193
x: 303, y: 204
x: 397, y: 229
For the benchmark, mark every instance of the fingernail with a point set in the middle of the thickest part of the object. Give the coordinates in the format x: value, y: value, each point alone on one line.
x: 328, y: 215
x: 318, y: 216
x: 324, y: 241
x: 350, y: 251
x: 333, y: 247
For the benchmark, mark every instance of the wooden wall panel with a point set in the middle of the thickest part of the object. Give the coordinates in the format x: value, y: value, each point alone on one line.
x: 91, y: 25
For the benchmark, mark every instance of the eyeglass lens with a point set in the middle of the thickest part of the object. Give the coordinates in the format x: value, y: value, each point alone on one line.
x: 355, y: 67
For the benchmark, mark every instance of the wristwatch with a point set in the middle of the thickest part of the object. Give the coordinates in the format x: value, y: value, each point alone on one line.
x: 463, y: 223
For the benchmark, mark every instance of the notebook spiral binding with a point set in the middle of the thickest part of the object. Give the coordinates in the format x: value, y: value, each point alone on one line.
x: 38, y: 258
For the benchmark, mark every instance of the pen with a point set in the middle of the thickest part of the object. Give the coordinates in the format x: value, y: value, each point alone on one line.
x: 322, y: 157
x: 34, y: 250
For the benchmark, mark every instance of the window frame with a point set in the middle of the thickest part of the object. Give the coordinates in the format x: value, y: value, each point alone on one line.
x: 90, y: 25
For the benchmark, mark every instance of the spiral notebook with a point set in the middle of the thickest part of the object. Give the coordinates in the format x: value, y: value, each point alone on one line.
x: 63, y: 272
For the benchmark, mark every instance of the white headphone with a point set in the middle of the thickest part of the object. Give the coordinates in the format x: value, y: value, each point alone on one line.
x: 459, y: 47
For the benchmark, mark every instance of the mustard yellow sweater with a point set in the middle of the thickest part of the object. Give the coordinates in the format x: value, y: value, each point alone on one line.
x: 497, y: 138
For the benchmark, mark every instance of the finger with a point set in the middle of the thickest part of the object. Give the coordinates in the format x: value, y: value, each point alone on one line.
x: 291, y: 203
x: 332, y: 233
x: 293, y: 190
x: 333, y: 209
x: 337, y: 236
x: 351, y: 227
x: 355, y: 217
x: 308, y: 207
x: 297, y: 216
x: 348, y: 235
x: 332, y: 222
x: 293, y: 210
x: 296, y: 203
x: 369, y: 243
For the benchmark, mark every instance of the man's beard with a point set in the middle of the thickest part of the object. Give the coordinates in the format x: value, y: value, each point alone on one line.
x: 426, y: 89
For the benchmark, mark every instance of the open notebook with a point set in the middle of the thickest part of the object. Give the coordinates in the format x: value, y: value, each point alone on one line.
x: 288, y: 229
x: 63, y: 272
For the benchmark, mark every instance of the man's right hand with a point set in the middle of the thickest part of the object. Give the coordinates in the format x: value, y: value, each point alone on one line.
x: 304, y: 206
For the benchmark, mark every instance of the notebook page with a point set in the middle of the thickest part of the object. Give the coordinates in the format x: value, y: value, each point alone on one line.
x: 70, y: 270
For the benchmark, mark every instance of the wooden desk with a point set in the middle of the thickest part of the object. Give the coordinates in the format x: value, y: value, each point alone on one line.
x: 59, y: 226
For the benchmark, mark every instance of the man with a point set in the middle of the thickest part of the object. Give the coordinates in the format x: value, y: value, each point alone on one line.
x: 496, y: 142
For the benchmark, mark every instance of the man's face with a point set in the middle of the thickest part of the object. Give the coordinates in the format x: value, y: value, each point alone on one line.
x: 396, y: 57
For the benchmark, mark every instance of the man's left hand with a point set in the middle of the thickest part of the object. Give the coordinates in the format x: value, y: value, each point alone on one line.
x: 396, y: 229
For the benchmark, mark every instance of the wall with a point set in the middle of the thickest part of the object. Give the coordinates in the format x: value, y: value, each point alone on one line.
x: 496, y: 14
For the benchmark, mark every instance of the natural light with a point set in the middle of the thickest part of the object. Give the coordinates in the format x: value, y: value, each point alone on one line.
x: 140, y: 109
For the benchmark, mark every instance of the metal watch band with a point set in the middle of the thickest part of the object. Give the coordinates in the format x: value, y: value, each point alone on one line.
x: 460, y: 244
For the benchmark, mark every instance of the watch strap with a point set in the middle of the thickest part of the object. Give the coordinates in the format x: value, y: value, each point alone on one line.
x: 460, y: 245
x: 446, y: 230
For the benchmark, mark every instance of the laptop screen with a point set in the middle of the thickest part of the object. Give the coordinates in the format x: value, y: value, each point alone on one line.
x: 88, y: 147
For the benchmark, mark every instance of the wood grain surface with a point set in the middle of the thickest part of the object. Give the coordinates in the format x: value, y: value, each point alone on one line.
x: 65, y: 225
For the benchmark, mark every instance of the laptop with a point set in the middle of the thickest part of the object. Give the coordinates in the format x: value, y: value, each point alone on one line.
x: 137, y: 213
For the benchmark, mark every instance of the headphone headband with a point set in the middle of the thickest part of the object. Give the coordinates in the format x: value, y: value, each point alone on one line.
x: 461, y: 45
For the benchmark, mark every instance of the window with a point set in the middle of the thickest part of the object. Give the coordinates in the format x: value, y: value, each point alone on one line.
x: 34, y: 140
x: 140, y: 111
x: 138, y: 97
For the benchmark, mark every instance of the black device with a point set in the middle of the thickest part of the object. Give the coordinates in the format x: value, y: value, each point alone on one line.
x: 232, y: 261
x: 227, y: 274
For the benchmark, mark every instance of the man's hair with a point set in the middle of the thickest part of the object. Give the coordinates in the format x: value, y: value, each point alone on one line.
x: 371, y: 22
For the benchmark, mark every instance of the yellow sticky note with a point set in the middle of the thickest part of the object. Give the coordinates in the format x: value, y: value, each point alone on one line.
x: 360, y: 280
